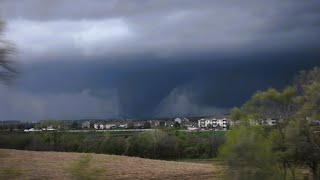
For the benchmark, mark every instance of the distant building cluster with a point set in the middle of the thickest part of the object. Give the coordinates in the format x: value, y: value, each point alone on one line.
x: 215, y: 123
x: 183, y: 123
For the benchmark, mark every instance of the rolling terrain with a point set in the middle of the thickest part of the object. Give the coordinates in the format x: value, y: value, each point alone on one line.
x: 17, y: 164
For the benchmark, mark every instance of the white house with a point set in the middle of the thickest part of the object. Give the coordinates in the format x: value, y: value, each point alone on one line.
x: 31, y: 130
x: 122, y: 125
x: 110, y: 126
x: 215, y: 122
x: 181, y: 120
x: 96, y: 126
x: 85, y: 125
x: 269, y: 121
x: 50, y: 128
x: 178, y: 120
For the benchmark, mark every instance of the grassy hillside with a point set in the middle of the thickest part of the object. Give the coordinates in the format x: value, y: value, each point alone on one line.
x: 17, y: 164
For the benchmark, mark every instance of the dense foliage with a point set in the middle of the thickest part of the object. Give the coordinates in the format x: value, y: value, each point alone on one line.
x: 157, y: 144
x: 281, y: 151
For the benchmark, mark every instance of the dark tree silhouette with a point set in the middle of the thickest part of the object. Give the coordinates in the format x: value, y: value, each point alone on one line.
x: 7, y: 70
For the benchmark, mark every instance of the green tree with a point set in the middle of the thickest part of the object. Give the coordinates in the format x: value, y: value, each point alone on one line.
x: 294, y: 141
x: 45, y: 123
x: 74, y: 125
x: 215, y: 142
x: 147, y: 125
x: 302, y: 137
x: 176, y: 125
x: 142, y: 145
x: 236, y: 114
x: 249, y: 154
x: 304, y: 145
x: 270, y: 103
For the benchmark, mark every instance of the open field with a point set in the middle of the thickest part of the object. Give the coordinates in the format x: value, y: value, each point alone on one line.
x: 17, y: 164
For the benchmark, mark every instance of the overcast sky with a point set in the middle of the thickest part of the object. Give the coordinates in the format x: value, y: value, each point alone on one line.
x: 99, y: 59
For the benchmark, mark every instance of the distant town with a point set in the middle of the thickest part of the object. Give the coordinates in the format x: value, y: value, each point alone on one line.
x: 201, y: 123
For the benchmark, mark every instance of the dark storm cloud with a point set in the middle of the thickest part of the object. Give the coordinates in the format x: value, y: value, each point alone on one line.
x: 153, y: 58
x: 104, y: 29
x: 149, y: 88
x: 22, y: 105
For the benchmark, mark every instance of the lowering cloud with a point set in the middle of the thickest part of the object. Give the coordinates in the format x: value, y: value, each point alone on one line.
x: 180, y: 102
x: 136, y: 57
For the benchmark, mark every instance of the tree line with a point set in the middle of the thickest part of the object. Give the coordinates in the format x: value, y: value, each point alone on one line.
x: 156, y: 144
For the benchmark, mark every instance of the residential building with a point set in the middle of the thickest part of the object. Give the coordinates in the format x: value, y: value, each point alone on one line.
x: 154, y: 123
x: 215, y: 122
x: 169, y: 123
x: 110, y: 126
x: 49, y: 128
x: 85, y: 125
x: 178, y: 120
x: 162, y: 124
x: 96, y: 126
x: 122, y: 126
x: 269, y: 121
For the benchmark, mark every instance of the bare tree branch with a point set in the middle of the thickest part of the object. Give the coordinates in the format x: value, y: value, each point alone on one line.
x: 7, y: 65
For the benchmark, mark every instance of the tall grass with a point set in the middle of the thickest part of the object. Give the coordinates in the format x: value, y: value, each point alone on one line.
x: 10, y: 173
x: 82, y: 169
